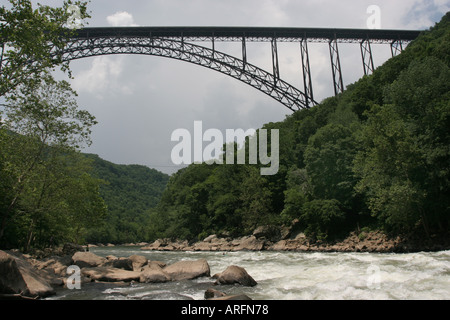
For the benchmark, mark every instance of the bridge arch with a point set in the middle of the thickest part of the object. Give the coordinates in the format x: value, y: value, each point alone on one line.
x: 281, y: 91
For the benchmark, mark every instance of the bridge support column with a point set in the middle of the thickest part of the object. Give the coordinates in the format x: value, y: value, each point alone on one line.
x: 307, y: 82
x: 366, y: 54
x: 213, y: 46
x: 244, y: 52
x: 396, y: 47
x: 336, y: 67
x: 275, y: 64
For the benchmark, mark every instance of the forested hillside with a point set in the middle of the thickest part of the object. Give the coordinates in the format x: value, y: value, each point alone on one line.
x: 129, y: 191
x: 375, y: 157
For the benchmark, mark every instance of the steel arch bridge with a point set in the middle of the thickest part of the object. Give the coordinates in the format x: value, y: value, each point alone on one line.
x: 177, y: 43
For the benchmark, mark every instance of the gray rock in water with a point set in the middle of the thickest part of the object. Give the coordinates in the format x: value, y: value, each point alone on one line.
x: 110, y: 274
x: 233, y: 297
x: 153, y: 273
x: 184, y: 270
x: 213, y: 293
x: 235, y: 274
x: 137, y: 262
x: 87, y: 260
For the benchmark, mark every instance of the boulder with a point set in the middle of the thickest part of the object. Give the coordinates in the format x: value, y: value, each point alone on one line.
x: 279, y: 246
x: 87, y: 260
x: 183, y: 270
x: 153, y: 273
x: 53, y: 267
x: 235, y: 274
x: 232, y: 297
x: 72, y: 248
x: 110, y: 274
x: 249, y: 243
x: 11, y: 280
x: 121, y: 263
x: 268, y: 232
x: 202, y: 246
x: 156, y: 245
x: 213, y: 293
x: 137, y: 262
x: 17, y: 276
x: 209, y: 238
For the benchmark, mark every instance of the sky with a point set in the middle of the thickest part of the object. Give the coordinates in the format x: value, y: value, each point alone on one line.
x: 139, y: 101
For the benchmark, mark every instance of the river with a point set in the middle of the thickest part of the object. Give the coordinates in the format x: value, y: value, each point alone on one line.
x: 289, y: 276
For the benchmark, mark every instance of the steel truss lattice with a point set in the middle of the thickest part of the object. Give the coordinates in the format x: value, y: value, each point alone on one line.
x: 336, y: 67
x: 367, y: 59
x: 239, y: 69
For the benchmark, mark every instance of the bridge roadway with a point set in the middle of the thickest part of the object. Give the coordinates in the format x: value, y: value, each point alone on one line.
x: 254, y: 33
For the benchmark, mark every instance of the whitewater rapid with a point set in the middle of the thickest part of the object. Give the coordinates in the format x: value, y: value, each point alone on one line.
x: 291, y: 276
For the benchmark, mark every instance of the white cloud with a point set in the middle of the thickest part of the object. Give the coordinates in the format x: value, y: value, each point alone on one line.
x: 103, y: 76
x: 121, y: 19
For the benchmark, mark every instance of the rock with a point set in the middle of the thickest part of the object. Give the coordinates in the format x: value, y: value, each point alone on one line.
x: 110, y: 274
x: 300, y: 237
x: 183, y: 270
x: 157, y: 263
x: 121, y: 263
x: 202, y: 246
x: 235, y: 274
x: 249, y: 243
x: 213, y: 293
x: 156, y: 245
x: 11, y: 280
x: 17, y: 276
x: 71, y: 249
x: 271, y: 233
x: 87, y: 260
x: 153, y: 273
x: 55, y: 265
x: 279, y: 246
x: 233, y: 297
x: 111, y: 258
x: 209, y: 238
x: 137, y: 262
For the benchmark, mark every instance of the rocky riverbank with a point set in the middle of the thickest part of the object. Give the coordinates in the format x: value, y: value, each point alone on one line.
x: 25, y: 277
x: 266, y: 238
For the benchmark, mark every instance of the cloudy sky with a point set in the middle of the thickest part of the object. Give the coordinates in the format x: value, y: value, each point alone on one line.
x: 140, y: 100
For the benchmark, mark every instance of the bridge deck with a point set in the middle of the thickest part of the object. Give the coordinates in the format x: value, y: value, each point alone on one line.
x: 253, y: 33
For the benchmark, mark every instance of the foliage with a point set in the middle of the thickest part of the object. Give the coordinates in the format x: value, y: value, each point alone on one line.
x: 406, y: 148
x: 322, y: 218
x: 129, y: 192
x: 26, y: 33
x: 50, y: 195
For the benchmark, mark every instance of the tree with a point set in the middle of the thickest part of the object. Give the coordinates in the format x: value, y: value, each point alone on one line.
x: 403, y: 167
x: 256, y: 208
x: 25, y: 36
x: 42, y: 127
x: 329, y: 163
x: 322, y: 219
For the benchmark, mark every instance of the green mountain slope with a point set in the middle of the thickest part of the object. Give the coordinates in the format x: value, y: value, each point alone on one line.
x: 129, y: 191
